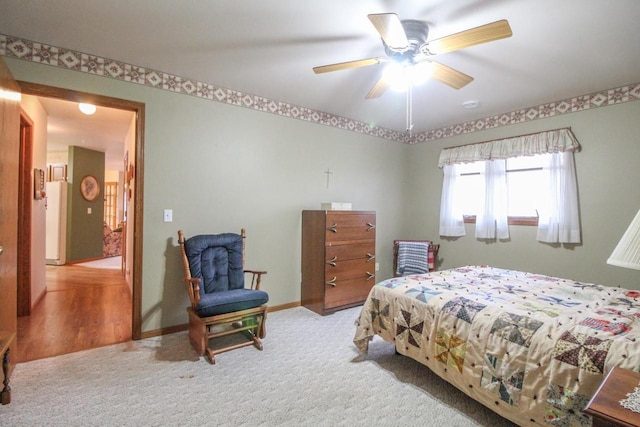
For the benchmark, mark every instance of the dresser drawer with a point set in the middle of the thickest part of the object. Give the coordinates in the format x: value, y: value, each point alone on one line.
x: 339, y: 253
x: 349, y: 220
x: 341, y: 227
x: 349, y: 269
x: 344, y: 234
x: 347, y: 292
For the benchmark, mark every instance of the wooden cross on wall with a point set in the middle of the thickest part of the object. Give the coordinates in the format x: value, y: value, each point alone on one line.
x: 328, y: 172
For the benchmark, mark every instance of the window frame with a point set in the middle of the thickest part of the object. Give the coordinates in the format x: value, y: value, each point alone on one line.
x: 511, y: 219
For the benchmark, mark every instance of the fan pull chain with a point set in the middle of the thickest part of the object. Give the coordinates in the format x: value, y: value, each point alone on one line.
x: 409, y: 108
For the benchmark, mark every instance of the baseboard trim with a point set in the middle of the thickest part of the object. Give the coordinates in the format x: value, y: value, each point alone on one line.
x: 179, y: 328
x: 81, y: 261
x: 37, y: 299
x: 284, y: 306
x: 163, y: 331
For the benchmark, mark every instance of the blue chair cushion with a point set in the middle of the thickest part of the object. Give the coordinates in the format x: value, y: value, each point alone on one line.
x: 216, y: 259
x: 230, y: 301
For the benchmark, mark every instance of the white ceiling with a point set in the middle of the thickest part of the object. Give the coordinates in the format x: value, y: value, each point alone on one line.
x: 559, y: 49
x: 103, y: 131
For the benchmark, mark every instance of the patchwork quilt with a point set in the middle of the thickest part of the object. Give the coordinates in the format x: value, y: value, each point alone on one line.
x: 533, y: 348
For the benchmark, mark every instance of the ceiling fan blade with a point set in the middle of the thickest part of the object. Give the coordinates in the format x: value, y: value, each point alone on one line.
x: 478, y: 35
x: 449, y: 76
x: 348, y: 64
x: 390, y: 29
x: 378, y: 89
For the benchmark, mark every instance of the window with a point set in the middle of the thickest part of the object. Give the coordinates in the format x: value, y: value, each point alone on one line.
x: 527, y: 188
x: 111, y: 204
x: 529, y: 177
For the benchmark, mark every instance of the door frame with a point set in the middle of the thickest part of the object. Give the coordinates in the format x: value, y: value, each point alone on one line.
x: 138, y: 108
x: 9, y: 173
x: 25, y: 196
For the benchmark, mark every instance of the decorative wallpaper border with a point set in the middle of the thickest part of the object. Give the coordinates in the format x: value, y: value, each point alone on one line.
x: 14, y: 47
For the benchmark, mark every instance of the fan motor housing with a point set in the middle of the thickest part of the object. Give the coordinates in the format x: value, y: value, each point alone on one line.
x: 417, y: 33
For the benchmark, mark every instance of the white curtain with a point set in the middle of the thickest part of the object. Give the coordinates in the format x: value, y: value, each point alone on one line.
x: 553, y: 141
x: 451, y: 219
x: 560, y: 221
x: 492, y: 219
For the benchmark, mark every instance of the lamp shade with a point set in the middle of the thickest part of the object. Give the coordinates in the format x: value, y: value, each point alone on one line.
x: 627, y: 253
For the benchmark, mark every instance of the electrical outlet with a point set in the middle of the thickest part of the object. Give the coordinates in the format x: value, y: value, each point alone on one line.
x: 168, y: 215
x: 377, y: 266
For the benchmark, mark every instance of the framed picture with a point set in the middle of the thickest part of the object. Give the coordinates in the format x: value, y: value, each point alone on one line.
x: 57, y: 172
x: 89, y: 188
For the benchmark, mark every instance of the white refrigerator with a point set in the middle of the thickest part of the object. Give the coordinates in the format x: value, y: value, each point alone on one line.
x: 56, y: 223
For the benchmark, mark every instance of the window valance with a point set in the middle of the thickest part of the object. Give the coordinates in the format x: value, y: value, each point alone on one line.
x: 553, y: 141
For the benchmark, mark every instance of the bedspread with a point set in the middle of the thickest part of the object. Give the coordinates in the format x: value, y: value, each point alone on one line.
x: 531, y: 347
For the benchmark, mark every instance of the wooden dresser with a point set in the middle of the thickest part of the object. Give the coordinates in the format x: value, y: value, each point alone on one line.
x: 338, y: 258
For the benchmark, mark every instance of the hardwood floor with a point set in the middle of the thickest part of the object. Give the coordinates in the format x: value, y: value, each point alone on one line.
x: 83, y: 308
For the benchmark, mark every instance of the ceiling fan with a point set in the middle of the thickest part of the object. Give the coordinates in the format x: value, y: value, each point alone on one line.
x: 406, y: 43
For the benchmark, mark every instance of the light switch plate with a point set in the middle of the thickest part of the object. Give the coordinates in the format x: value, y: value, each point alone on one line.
x: 168, y: 215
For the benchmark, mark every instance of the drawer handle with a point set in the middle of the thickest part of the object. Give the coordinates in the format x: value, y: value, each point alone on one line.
x: 332, y: 261
x: 370, y: 226
x: 370, y: 257
x: 331, y: 282
x: 370, y: 276
x: 333, y: 227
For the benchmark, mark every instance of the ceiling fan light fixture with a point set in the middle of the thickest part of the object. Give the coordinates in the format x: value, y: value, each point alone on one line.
x: 420, y: 73
x: 396, y: 75
x: 400, y: 75
x: 87, y: 109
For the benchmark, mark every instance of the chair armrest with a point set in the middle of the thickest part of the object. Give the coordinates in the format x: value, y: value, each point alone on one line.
x: 193, y: 289
x: 256, y: 276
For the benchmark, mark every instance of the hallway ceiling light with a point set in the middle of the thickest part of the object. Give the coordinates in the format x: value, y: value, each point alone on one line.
x: 87, y: 109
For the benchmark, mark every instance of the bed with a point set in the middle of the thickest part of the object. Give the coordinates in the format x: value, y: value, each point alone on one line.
x: 533, y: 348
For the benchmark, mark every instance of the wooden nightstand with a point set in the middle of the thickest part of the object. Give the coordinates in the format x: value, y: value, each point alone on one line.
x: 605, y: 406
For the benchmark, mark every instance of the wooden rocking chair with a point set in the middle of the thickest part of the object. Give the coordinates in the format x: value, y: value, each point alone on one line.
x: 220, y: 303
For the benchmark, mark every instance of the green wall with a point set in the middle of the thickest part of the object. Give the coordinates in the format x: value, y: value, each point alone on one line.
x: 84, y: 229
x: 222, y: 167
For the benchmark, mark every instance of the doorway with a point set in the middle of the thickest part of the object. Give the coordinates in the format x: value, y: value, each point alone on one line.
x: 134, y: 221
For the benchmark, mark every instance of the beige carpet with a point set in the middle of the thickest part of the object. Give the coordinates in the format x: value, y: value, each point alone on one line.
x: 309, y: 374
